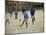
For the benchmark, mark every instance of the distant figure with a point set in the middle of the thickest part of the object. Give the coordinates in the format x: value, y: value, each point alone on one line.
x: 26, y: 17
x: 16, y: 15
x: 11, y: 14
x: 7, y: 20
x: 32, y: 14
x: 10, y: 11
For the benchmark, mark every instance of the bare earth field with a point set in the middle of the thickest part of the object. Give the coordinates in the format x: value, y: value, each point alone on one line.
x: 14, y: 26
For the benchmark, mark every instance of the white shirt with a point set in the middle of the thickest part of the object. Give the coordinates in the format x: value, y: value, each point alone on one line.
x: 28, y: 13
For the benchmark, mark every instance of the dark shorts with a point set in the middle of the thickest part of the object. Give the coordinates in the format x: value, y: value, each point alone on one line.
x: 25, y: 16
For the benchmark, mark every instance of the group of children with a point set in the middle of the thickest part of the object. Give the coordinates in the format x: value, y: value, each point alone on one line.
x: 26, y: 13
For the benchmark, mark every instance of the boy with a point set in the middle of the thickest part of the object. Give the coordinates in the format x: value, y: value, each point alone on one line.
x: 16, y: 15
x: 32, y: 14
x: 26, y: 17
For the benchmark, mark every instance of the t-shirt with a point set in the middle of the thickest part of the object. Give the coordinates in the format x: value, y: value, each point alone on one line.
x: 16, y: 13
x: 27, y: 13
x: 32, y: 11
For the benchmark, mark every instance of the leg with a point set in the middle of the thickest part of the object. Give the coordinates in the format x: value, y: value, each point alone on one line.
x: 22, y: 23
x: 26, y: 25
x: 8, y: 21
x: 33, y: 19
x: 16, y: 17
x: 26, y: 22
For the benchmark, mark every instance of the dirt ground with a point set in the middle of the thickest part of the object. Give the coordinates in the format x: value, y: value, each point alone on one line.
x: 14, y: 26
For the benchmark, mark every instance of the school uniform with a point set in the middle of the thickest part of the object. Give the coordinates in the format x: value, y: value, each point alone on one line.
x: 32, y: 12
x: 16, y: 15
x: 26, y: 15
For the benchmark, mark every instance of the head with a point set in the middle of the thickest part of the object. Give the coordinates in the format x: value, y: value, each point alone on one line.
x: 23, y: 10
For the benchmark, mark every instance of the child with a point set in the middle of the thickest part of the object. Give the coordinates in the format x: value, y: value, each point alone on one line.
x: 26, y: 17
x: 16, y: 15
x: 7, y: 20
x: 32, y: 15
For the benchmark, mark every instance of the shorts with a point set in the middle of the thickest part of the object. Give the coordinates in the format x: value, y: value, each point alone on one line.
x: 25, y: 16
x: 26, y: 19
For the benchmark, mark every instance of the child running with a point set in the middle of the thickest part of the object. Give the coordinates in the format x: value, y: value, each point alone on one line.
x: 26, y: 17
x: 32, y: 14
x: 16, y: 15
